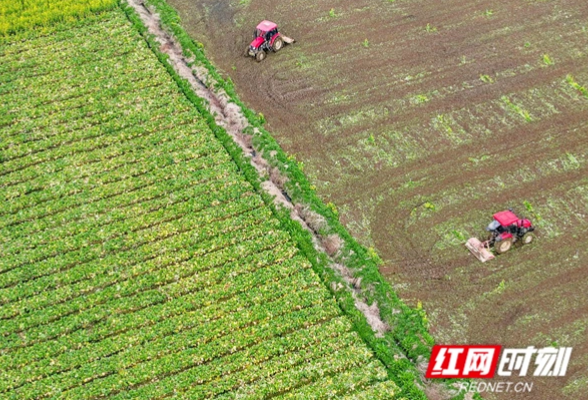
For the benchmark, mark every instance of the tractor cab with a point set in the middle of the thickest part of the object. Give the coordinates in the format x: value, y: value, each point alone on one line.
x: 266, y: 30
x: 507, y: 227
x: 266, y: 38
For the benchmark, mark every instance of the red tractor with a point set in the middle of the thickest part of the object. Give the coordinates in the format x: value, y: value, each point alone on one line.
x: 505, y: 230
x: 266, y: 38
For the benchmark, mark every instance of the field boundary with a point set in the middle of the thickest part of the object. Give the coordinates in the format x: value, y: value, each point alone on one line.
x: 396, y: 333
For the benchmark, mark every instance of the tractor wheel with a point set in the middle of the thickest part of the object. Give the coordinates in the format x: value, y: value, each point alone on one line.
x: 528, y: 238
x: 278, y: 44
x: 260, y: 56
x: 503, y: 247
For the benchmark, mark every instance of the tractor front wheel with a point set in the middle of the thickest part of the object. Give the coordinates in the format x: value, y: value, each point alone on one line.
x: 528, y: 238
x: 260, y: 56
x: 278, y: 44
x: 503, y: 246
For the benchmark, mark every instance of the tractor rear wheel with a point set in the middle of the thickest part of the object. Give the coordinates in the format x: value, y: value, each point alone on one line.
x: 528, y: 238
x: 260, y: 56
x: 503, y: 246
x: 278, y: 44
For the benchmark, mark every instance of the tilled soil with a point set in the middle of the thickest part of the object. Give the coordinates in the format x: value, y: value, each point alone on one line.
x: 421, y: 119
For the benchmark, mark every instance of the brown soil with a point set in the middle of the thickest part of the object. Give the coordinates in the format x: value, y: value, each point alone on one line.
x: 417, y: 118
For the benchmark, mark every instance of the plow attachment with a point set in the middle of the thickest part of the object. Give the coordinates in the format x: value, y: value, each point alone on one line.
x: 479, y: 250
x: 286, y: 39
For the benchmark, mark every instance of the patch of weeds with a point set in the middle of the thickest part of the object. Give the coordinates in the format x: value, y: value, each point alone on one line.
x: 302, y: 61
x: 547, y: 60
x: 486, y: 79
x: 373, y: 254
x: 444, y: 122
x: 517, y: 109
x: 372, y: 139
x: 366, y: 43
x: 459, y: 235
x: 430, y: 29
x: 422, y: 313
x: 332, y: 13
x: 419, y: 99
x: 476, y: 161
x: 572, y: 82
x: 333, y: 208
x: 410, y: 184
x: 571, y: 162
x: 499, y: 289
x: 489, y: 13
x: 429, y: 206
x: 531, y: 210
x: 527, y: 45
x: 261, y: 118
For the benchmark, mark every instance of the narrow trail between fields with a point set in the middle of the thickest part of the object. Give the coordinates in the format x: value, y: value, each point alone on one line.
x: 230, y: 117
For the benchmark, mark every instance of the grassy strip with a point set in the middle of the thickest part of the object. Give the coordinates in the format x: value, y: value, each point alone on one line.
x: 409, y: 341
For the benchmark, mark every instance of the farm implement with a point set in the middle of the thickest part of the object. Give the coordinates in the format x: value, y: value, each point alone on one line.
x: 266, y: 38
x: 505, y: 230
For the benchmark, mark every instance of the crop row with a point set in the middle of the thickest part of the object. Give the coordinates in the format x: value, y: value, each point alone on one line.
x: 37, y: 173
x: 159, y: 277
x: 348, y: 381
x: 74, y: 242
x: 12, y: 310
x: 65, y: 276
x: 39, y: 54
x: 14, y: 336
x: 72, y: 218
x: 202, y: 166
x: 187, y: 308
x: 75, y: 91
x: 219, y: 218
x: 275, y: 334
x: 142, y: 141
x: 21, y: 70
x: 386, y: 390
x: 43, y: 129
x: 226, y: 329
x: 75, y: 227
x: 138, y: 95
x: 204, y: 154
x: 74, y: 33
x: 291, y: 370
x: 45, y: 62
x: 152, y: 273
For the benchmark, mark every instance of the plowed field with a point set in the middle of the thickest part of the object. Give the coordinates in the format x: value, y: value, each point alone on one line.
x: 421, y: 119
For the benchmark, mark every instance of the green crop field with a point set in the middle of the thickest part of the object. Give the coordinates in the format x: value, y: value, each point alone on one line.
x: 136, y: 261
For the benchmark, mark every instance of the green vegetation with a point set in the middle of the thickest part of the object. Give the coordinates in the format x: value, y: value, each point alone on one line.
x: 430, y: 29
x: 17, y: 15
x: 572, y: 82
x: 486, y: 79
x: 138, y: 258
x: 516, y: 109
